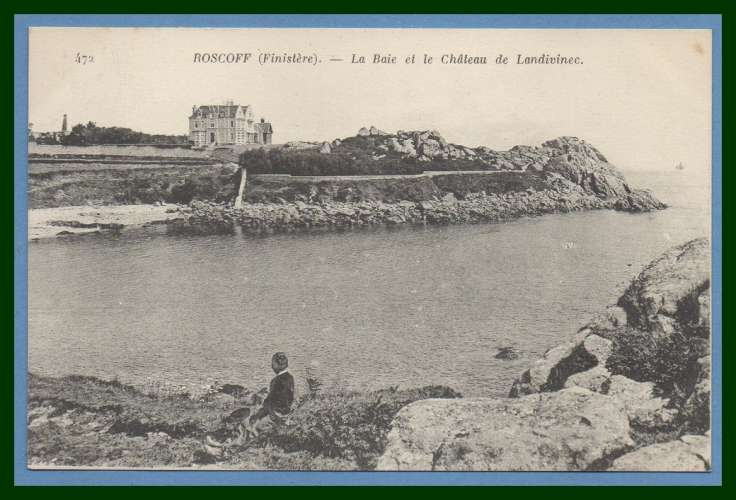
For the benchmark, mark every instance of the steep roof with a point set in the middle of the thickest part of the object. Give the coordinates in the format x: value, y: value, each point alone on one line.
x: 220, y: 110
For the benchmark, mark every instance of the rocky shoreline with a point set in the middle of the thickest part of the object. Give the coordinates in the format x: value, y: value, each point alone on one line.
x: 288, y: 216
x: 474, y: 208
x: 630, y: 391
x: 563, y: 175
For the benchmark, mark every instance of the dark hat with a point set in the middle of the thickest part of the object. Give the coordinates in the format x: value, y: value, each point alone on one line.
x: 280, y: 361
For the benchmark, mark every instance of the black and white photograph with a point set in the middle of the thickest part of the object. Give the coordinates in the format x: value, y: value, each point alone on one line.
x: 364, y: 249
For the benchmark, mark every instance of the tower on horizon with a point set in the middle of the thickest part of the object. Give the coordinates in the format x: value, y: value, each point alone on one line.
x: 63, y: 126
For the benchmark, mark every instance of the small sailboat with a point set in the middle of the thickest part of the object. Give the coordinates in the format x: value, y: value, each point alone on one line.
x: 680, y: 166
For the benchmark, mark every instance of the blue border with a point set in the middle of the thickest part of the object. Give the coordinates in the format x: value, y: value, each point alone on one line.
x: 24, y: 476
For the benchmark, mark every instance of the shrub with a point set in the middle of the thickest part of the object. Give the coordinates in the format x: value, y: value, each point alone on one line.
x: 351, y: 426
x: 211, y: 187
x: 183, y: 193
x: 346, y: 161
x: 670, y: 361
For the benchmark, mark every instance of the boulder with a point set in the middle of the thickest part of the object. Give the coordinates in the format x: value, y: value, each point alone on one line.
x: 550, y: 372
x: 326, y: 148
x: 610, y: 319
x: 405, y: 147
x: 598, y: 347
x: 676, y: 278
x: 644, y: 408
x: 449, y: 198
x: 568, y: 144
x: 639, y: 200
x: 363, y: 132
x: 507, y: 353
x: 594, y: 379
x: 687, y: 454
x: 572, y: 429
x: 429, y: 148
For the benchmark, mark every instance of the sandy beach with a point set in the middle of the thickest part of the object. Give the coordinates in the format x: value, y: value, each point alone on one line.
x: 52, y: 222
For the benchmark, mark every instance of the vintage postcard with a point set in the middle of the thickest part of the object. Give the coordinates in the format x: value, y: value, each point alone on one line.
x: 371, y: 248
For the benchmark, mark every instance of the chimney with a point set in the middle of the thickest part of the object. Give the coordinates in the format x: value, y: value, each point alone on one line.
x: 263, y: 120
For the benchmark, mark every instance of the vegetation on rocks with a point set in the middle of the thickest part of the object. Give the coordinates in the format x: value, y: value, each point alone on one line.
x: 670, y: 361
x: 629, y: 391
x: 405, y: 152
x: 85, y: 421
x: 115, y: 186
x: 645, y: 360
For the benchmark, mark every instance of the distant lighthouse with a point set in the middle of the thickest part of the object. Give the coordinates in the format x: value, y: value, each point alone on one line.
x: 63, y: 126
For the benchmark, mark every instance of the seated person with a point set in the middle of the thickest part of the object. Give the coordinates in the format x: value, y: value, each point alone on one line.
x: 280, y: 397
x: 274, y: 408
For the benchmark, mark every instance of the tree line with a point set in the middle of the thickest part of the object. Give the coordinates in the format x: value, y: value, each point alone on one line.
x: 90, y: 134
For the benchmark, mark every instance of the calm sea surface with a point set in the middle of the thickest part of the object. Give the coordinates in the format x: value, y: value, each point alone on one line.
x: 368, y: 308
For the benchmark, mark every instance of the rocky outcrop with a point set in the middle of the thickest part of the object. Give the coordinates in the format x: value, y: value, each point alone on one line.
x: 323, y: 213
x: 629, y: 391
x: 687, y: 454
x: 568, y: 157
x: 671, y: 293
x: 670, y: 297
x: 436, y: 198
x: 573, y: 429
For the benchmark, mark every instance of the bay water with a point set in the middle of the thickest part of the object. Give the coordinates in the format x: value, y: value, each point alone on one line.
x: 365, y: 309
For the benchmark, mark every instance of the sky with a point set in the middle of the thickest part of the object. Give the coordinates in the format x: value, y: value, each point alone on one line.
x: 642, y: 97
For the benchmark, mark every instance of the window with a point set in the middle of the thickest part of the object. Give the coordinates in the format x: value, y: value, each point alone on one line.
x: 232, y: 123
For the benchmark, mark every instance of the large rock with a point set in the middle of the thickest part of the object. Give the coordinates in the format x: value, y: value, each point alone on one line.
x: 595, y: 379
x: 645, y: 409
x: 609, y: 320
x: 584, y: 165
x: 550, y: 372
x: 429, y: 148
x: 598, y: 347
x: 676, y: 279
x: 688, y: 454
x: 572, y: 429
x: 568, y: 158
x: 404, y: 147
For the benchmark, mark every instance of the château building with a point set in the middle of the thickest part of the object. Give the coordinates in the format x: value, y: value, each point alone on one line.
x: 227, y: 124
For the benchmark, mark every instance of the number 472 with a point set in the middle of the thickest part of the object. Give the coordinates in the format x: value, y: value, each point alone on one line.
x: 83, y: 59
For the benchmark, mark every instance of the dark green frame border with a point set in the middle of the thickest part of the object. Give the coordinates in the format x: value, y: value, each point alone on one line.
x: 725, y: 7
